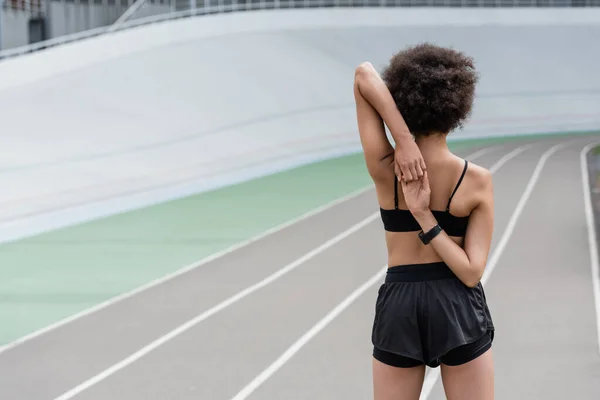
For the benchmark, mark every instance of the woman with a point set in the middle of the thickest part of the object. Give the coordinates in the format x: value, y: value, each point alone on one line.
x: 431, y: 310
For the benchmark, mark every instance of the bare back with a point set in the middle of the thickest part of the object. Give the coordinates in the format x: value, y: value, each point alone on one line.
x: 444, y: 175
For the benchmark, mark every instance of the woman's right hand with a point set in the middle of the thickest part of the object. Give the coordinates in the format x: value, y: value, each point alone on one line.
x: 409, y: 164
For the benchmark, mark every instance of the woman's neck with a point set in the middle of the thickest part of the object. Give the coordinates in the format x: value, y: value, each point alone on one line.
x: 433, y: 147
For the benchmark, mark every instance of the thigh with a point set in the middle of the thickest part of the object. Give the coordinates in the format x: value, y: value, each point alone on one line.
x: 473, y: 380
x: 396, y: 383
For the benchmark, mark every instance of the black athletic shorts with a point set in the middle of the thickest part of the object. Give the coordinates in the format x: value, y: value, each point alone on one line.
x: 425, y: 315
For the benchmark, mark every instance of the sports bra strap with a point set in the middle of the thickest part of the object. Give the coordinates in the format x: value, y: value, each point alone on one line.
x: 451, y: 196
x: 457, y: 185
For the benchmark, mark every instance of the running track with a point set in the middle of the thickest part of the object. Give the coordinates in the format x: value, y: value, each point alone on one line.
x: 288, y: 316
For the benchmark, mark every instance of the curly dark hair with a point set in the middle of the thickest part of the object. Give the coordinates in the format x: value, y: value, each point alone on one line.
x: 433, y: 87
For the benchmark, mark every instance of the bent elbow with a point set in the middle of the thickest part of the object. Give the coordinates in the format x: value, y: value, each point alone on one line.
x: 364, y: 67
x: 363, y: 71
x: 471, y: 283
x: 473, y: 278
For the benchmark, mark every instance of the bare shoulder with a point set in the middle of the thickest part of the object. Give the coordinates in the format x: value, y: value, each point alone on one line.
x: 481, y: 185
x: 479, y: 176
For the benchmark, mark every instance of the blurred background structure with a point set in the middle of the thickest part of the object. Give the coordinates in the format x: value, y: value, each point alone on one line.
x: 185, y: 212
x: 26, y: 22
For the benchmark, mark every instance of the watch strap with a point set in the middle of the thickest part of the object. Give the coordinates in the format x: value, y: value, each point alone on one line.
x: 428, y: 236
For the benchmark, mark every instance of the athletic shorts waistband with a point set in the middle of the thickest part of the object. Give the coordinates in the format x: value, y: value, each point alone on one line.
x: 419, y: 272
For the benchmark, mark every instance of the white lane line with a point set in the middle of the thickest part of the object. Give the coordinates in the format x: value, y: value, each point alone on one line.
x: 224, y: 304
x: 512, y: 222
x: 215, y: 309
x: 482, y: 152
x: 507, y: 157
x: 294, y: 348
x: 312, y: 332
x: 183, y: 270
x: 434, y: 374
x: 591, y: 226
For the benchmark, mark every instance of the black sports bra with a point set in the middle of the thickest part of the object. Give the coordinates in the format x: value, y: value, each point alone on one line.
x: 398, y: 220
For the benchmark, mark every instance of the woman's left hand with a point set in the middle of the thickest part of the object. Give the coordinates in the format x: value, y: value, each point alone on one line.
x: 417, y: 194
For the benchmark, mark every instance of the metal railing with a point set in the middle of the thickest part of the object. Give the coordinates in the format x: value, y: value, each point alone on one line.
x: 31, y: 6
x: 145, y: 11
x: 25, y: 22
x: 229, y: 5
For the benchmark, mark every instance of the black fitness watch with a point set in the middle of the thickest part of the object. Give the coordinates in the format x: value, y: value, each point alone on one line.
x: 432, y: 233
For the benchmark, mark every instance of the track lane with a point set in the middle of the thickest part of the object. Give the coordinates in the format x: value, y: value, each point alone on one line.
x: 591, y: 218
x: 124, y: 327
x: 221, y: 354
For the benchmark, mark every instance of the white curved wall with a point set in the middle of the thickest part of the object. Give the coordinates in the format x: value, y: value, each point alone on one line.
x: 164, y: 110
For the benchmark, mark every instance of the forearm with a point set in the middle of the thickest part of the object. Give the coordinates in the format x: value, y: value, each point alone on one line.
x: 451, y: 253
x: 374, y: 91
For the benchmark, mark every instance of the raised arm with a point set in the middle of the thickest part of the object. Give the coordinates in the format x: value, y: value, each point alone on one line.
x: 467, y: 263
x: 377, y: 150
x: 374, y: 107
